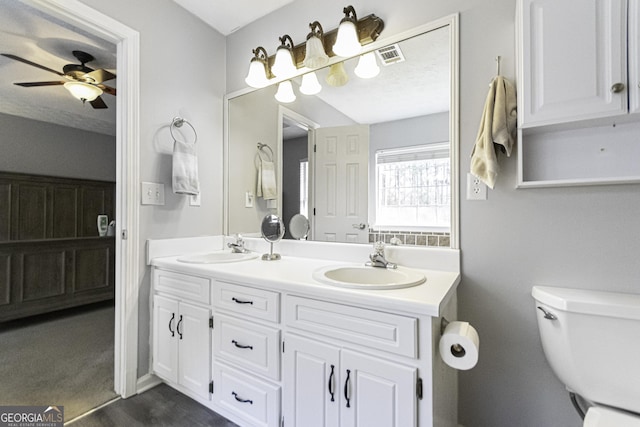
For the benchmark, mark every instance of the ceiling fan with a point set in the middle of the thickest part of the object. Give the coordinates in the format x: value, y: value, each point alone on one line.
x: 83, y: 82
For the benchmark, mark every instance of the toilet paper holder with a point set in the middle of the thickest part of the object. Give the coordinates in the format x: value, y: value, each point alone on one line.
x: 457, y: 350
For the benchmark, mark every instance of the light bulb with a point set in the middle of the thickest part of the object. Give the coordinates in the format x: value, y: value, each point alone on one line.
x: 310, y: 84
x: 347, y: 43
x: 367, y: 66
x: 285, y: 92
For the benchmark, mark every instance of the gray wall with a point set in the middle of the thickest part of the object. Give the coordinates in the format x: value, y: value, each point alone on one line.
x: 34, y: 147
x: 182, y: 73
x: 293, y: 151
x: 587, y: 237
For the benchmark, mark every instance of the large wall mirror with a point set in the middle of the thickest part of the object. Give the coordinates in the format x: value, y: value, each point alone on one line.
x: 371, y: 159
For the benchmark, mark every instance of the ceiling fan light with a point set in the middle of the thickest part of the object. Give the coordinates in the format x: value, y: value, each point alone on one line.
x: 347, y: 42
x: 367, y: 66
x: 310, y: 84
x: 337, y: 75
x: 285, y: 92
x: 283, y: 65
x: 83, y: 91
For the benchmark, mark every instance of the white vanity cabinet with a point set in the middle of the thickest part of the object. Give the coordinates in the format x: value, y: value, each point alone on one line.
x: 578, y: 92
x: 246, y: 352
x: 335, y: 374
x: 181, y: 334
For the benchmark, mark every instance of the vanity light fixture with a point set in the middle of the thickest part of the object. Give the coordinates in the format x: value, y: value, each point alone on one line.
x: 367, y: 66
x: 310, y: 84
x: 285, y: 92
x: 315, y: 56
x: 283, y: 66
x: 347, y: 41
x: 337, y: 75
x: 83, y: 91
x: 258, y: 76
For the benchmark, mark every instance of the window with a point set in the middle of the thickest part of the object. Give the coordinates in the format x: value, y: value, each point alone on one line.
x: 304, y: 187
x: 413, y: 188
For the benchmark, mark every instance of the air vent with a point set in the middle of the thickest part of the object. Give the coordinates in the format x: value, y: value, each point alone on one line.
x: 390, y: 54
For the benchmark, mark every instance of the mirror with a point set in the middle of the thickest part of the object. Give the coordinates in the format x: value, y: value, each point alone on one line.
x: 272, y: 229
x: 299, y: 227
x: 403, y: 184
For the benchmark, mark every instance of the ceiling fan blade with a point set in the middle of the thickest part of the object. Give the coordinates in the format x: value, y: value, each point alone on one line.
x: 33, y: 64
x: 98, y: 103
x: 99, y: 76
x: 107, y: 89
x: 34, y: 84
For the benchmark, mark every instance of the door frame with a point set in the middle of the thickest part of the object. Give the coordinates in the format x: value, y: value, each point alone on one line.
x: 127, y: 236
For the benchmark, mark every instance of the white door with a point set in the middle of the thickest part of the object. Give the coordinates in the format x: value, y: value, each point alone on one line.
x: 574, y: 52
x: 165, y: 338
x: 194, y: 339
x: 311, y: 387
x: 341, y: 184
x: 634, y: 56
x: 377, y: 392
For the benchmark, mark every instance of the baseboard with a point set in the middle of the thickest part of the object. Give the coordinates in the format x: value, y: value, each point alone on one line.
x: 147, y: 382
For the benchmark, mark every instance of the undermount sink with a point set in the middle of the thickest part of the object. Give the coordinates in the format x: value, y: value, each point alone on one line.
x: 218, y: 257
x: 367, y: 277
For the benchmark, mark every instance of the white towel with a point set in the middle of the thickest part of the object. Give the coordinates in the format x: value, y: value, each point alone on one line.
x: 498, y: 126
x: 185, y: 169
x: 266, y: 187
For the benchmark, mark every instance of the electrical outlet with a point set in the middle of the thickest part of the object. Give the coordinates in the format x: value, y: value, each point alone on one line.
x: 152, y: 193
x: 476, y: 189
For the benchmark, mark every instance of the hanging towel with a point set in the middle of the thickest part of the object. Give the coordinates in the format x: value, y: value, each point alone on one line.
x: 185, y: 168
x: 266, y: 187
x: 497, y: 127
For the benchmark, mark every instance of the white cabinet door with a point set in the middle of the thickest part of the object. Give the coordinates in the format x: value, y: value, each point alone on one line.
x: 376, y: 392
x: 165, y: 338
x: 194, y: 339
x: 311, y: 386
x: 634, y: 56
x: 573, y: 52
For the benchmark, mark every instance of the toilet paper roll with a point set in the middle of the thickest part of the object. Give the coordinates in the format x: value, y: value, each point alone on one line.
x: 459, y: 345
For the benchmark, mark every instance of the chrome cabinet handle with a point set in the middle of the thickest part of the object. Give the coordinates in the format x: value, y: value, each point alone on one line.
x: 234, y: 342
x: 178, y: 327
x: 548, y: 314
x: 235, y: 395
x: 617, y: 87
x: 173, y: 316
x: 237, y: 301
x: 346, y: 388
x: 331, y: 384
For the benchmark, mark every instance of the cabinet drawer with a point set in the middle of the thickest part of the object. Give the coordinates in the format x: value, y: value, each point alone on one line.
x: 385, y: 331
x: 183, y: 286
x: 248, y: 345
x: 256, y: 401
x: 247, y: 301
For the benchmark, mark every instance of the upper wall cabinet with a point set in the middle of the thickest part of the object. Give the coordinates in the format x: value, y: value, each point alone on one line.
x: 578, y: 91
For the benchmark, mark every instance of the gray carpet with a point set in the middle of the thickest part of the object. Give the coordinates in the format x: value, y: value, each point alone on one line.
x: 63, y: 359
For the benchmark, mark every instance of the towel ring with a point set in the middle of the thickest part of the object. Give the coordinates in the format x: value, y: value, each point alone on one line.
x: 262, y: 146
x: 178, y: 122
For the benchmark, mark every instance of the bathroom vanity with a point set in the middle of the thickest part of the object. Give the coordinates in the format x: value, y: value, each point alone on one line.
x: 265, y: 344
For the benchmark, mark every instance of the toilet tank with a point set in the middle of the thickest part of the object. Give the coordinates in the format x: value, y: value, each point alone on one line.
x: 593, y: 344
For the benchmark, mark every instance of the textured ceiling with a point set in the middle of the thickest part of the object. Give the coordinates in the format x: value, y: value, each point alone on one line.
x: 28, y: 33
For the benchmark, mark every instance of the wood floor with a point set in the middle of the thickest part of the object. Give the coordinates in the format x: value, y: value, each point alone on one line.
x: 161, y: 406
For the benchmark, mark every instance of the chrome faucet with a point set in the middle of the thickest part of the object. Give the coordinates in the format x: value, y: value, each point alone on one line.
x: 238, y: 246
x: 377, y: 257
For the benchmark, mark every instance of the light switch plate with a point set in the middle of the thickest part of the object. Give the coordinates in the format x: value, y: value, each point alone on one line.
x: 248, y: 199
x: 152, y: 193
x: 194, y: 200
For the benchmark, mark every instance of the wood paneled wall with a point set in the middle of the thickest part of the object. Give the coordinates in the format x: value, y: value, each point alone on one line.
x: 51, y: 256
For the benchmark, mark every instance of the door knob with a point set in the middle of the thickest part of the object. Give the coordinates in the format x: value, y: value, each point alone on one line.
x: 360, y: 226
x: 617, y: 88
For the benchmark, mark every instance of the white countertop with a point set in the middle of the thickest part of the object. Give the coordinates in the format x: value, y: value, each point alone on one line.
x: 294, y: 275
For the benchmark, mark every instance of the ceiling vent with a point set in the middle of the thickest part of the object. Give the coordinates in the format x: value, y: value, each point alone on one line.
x: 391, y: 54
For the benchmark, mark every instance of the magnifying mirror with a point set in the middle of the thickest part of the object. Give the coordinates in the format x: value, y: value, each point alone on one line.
x: 272, y: 229
x: 299, y: 226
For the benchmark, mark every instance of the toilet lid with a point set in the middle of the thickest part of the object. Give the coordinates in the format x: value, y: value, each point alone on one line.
x: 604, y: 417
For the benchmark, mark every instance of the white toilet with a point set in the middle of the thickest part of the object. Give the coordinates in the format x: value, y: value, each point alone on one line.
x: 592, y: 342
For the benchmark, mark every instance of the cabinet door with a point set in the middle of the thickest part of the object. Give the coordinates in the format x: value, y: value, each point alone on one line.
x: 376, y: 392
x: 311, y: 387
x: 573, y: 53
x: 194, y: 338
x: 634, y: 56
x: 165, y: 338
